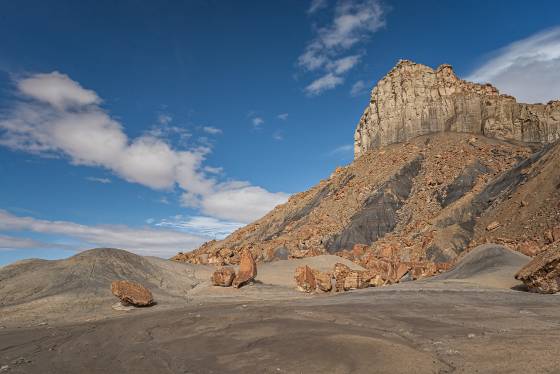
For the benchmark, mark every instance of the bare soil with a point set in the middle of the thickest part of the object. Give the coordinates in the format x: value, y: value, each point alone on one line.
x: 468, y: 320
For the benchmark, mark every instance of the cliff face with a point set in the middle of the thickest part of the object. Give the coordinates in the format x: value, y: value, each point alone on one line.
x: 414, y: 99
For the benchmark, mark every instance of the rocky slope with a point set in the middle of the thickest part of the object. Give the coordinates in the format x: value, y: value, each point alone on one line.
x: 413, y: 99
x: 417, y: 197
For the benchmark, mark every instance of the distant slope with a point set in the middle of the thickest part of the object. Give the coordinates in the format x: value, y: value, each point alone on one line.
x: 414, y: 196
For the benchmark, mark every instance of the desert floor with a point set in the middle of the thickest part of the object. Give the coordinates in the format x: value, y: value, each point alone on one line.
x: 468, y: 320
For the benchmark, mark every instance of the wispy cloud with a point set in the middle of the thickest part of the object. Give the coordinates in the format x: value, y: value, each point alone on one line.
x: 329, y: 52
x: 57, y: 116
x: 326, y: 82
x: 201, y: 225
x: 12, y: 242
x: 528, y: 69
x: 342, y: 65
x: 145, y: 241
x: 213, y: 170
x: 359, y: 88
x: 99, y: 180
x: 282, y: 116
x: 164, y: 119
x: 316, y: 5
x: 211, y: 130
x: 257, y: 121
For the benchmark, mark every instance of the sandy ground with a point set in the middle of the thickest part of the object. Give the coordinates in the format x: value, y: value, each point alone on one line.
x: 451, y: 323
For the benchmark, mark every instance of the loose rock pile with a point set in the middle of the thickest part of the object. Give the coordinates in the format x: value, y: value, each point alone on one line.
x: 382, y: 273
x: 542, y: 274
x: 226, y: 277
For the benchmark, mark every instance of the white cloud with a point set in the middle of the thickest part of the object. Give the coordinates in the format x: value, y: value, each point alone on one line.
x: 201, y: 225
x: 241, y: 202
x: 257, y: 121
x: 342, y: 65
x: 58, y: 90
x: 12, y: 242
x: 282, y: 116
x: 316, y: 5
x: 99, y: 180
x: 358, y: 88
x: 61, y: 118
x: 212, y: 130
x: 146, y: 241
x: 213, y: 170
x: 326, y: 82
x: 354, y: 22
x: 164, y: 200
x: 528, y: 69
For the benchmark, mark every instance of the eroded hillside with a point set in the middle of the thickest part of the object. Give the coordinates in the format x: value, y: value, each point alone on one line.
x: 441, y: 165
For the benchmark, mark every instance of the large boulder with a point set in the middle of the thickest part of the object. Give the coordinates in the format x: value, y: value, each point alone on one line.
x: 132, y: 293
x: 305, y: 279
x: 357, y: 279
x: 341, y: 271
x: 542, y: 274
x: 223, y: 277
x: 323, y: 280
x: 247, y: 269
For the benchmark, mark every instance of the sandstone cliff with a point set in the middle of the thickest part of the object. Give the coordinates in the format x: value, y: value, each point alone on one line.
x: 414, y: 99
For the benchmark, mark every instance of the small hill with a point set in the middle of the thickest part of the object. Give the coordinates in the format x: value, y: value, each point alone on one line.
x: 488, y: 265
x: 79, y: 287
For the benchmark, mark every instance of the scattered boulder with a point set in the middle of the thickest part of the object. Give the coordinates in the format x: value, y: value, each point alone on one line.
x: 493, y: 226
x: 132, y: 293
x: 401, y: 271
x: 341, y: 271
x: 556, y: 233
x: 356, y: 279
x: 223, y: 277
x: 247, y: 269
x: 305, y: 279
x: 323, y: 280
x: 548, y: 236
x: 529, y: 248
x: 542, y: 274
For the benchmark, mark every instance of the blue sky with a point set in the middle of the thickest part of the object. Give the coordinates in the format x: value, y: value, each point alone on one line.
x: 154, y: 126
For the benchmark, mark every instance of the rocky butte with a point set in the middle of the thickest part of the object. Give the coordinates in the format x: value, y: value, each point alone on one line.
x: 441, y: 165
x: 414, y: 99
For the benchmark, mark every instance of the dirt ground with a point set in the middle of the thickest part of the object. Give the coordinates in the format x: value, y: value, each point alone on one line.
x: 472, y: 319
x: 370, y: 331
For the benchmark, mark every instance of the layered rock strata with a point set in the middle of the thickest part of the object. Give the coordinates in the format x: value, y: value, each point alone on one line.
x: 414, y: 99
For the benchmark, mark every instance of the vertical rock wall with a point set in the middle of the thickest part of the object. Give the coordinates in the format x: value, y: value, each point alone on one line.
x: 414, y: 99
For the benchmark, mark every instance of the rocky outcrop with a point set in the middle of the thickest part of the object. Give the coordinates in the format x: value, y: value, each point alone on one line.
x: 247, y: 269
x: 223, y: 277
x: 323, y: 280
x: 542, y: 274
x: 305, y: 279
x: 132, y: 293
x: 414, y: 99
